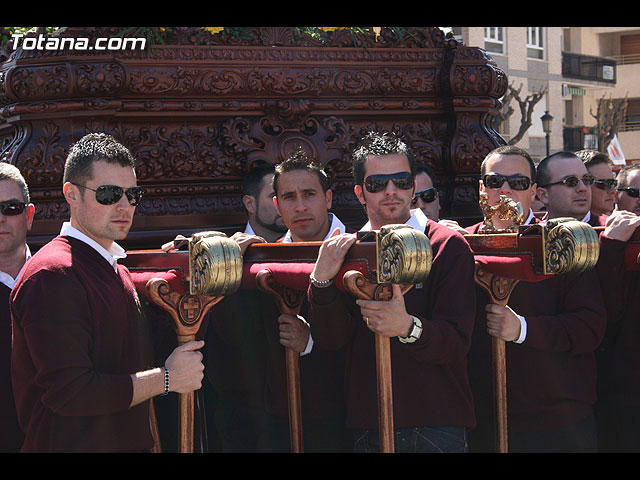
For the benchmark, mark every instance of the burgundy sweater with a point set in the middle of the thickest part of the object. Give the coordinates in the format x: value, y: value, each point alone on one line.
x: 551, y: 376
x: 11, y: 435
x: 619, y: 354
x: 429, y: 377
x: 77, y: 337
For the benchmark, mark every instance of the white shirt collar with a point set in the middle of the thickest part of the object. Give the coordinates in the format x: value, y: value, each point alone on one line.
x: 530, y: 217
x: 587, y: 217
x: 7, y: 279
x: 249, y: 230
x: 418, y: 221
x: 112, y: 255
x: 335, y: 223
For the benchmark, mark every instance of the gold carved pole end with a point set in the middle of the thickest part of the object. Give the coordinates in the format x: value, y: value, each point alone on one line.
x: 215, y: 264
x: 404, y: 255
x: 570, y: 246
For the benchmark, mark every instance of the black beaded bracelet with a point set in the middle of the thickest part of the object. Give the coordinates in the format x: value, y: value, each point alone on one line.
x: 166, y: 380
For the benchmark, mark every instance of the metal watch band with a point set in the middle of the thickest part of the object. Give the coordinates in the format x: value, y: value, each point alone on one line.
x: 417, y: 325
x: 320, y: 283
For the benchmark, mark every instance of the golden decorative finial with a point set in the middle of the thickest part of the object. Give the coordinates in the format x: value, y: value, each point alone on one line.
x: 506, y: 209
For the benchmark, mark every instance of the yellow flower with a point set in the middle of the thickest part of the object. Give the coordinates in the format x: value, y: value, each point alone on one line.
x: 213, y: 30
x: 329, y: 29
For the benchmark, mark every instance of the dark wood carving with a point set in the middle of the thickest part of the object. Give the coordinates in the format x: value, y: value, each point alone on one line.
x: 200, y: 111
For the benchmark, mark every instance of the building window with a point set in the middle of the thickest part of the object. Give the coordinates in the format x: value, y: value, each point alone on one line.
x: 535, y: 42
x: 494, y: 39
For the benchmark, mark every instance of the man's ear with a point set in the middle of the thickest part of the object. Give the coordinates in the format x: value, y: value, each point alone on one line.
x: 542, y: 195
x: 249, y: 203
x: 357, y: 189
x: 275, y: 202
x: 30, y: 211
x: 71, y: 193
x: 328, y: 195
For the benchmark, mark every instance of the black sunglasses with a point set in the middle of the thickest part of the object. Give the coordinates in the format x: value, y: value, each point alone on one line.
x: 632, y: 192
x: 110, y: 194
x: 12, y: 208
x: 517, y: 182
x: 427, y: 195
x: 572, y: 181
x: 605, y: 183
x: 377, y: 183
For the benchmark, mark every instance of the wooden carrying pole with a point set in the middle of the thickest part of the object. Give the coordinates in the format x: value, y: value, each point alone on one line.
x: 187, y: 312
x: 289, y: 302
x: 499, y: 289
x: 356, y: 284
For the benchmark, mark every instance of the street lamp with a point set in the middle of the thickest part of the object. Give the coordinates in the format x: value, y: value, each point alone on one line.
x: 546, y: 126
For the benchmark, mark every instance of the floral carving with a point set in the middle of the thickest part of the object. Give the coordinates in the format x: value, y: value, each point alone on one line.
x: 44, y: 162
x: 99, y: 78
x: 45, y: 81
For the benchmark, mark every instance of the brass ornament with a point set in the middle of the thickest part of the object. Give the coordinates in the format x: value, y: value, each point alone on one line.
x: 506, y: 209
x: 215, y: 264
x: 404, y: 255
x: 569, y: 246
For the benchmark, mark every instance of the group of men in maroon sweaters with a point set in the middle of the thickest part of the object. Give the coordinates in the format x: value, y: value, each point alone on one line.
x: 82, y: 363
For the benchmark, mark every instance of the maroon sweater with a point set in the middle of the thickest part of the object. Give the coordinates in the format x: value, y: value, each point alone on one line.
x: 551, y: 376
x: 619, y: 354
x: 77, y: 338
x: 11, y: 437
x: 430, y: 382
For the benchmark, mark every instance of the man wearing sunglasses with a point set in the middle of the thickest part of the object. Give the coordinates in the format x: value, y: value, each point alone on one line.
x: 551, y: 329
x: 564, y: 187
x: 429, y: 331
x: 81, y: 351
x: 603, y: 190
x: 426, y: 196
x: 618, y: 407
x: 16, y: 217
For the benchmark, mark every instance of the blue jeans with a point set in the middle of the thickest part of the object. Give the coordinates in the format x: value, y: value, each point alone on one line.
x: 415, y: 440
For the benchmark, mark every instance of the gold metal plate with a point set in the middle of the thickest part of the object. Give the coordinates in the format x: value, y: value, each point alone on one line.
x: 569, y: 246
x: 215, y: 264
x: 404, y: 255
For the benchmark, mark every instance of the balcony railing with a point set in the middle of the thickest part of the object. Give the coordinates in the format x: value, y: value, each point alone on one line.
x: 588, y: 67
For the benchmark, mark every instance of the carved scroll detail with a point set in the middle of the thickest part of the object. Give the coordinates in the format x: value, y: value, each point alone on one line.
x: 404, y: 255
x: 215, y: 264
x: 570, y: 246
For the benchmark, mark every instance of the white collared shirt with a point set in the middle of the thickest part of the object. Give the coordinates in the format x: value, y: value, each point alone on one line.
x: 7, y: 279
x: 418, y: 221
x: 334, y: 221
x: 112, y: 255
x: 249, y: 230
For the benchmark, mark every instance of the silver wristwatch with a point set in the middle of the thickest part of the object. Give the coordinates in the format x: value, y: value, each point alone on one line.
x: 414, y: 333
x: 320, y: 283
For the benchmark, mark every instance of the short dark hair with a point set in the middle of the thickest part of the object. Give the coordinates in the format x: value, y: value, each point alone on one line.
x: 299, y: 160
x: 378, y: 144
x: 593, y: 157
x: 510, y: 150
x: 252, y: 183
x: 93, y: 147
x: 424, y: 168
x: 623, y: 175
x: 543, y: 174
x: 9, y: 171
